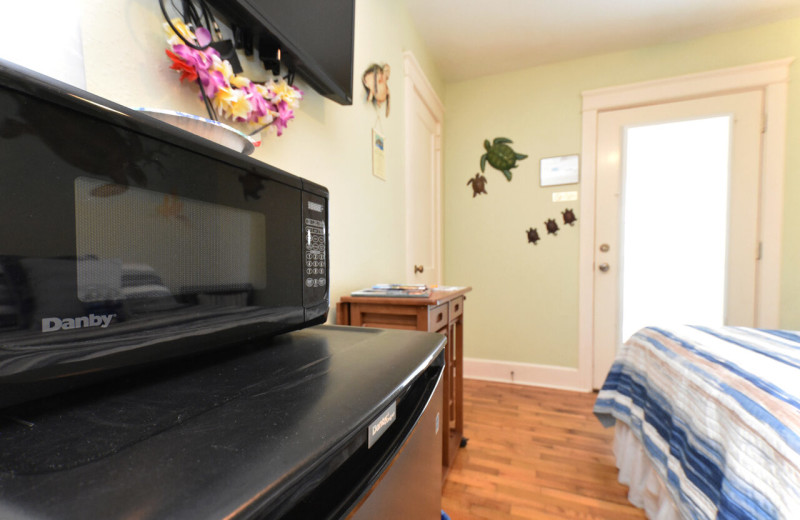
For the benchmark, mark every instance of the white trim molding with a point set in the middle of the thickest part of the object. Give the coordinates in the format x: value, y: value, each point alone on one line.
x: 772, y: 78
x: 412, y: 69
x: 523, y: 374
x: 702, y: 84
x: 417, y: 86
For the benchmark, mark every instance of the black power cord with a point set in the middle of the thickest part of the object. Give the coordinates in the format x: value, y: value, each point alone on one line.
x: 190, y: 15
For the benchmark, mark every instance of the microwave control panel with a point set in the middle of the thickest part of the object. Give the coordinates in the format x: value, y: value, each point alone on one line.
x: 315, y: 246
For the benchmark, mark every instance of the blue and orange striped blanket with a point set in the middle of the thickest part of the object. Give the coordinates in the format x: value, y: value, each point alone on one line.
x: 718, y: 413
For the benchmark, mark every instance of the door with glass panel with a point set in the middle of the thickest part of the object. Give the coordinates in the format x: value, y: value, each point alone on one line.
x: 676, y: 236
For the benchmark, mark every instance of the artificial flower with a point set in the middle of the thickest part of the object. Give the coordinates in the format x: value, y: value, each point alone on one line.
x: 174, y: 39
x: 285, y: 114
x: 239, y: 81
x: 258, y: 105
x: 187, y: 70
x: 225, y: 99
x: 225, y: 68
x: 203, y: 37
x: 232, y: 96
x: 282, y: 91
x: 240, y: 108
x: 212, y: 81
x: 202, y: 60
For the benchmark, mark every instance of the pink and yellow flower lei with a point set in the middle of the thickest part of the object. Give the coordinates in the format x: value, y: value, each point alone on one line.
x: 232, y: 96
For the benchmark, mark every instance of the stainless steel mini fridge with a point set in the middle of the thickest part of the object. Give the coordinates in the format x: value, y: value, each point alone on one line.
x: 327, y: 422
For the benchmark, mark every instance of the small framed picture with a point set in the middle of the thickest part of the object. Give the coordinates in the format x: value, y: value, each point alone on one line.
x: 554, y: 171
x: 378, y: 155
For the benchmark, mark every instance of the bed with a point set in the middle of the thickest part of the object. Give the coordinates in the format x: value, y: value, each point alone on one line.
x: 707, y: 421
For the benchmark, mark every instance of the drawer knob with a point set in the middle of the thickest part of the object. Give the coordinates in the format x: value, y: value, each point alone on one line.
x: 418, y: 269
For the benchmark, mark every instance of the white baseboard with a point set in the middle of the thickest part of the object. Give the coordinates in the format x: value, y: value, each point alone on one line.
x: 523, y: 374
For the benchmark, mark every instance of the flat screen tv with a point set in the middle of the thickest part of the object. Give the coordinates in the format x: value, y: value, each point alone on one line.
x: 315, y: 38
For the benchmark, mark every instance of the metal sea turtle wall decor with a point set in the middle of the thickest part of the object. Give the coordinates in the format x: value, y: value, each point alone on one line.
x: 478, y: 184
x: 552, y: 226
x: 569, y: 217
x: 533, y: 235
x: 500, y: 156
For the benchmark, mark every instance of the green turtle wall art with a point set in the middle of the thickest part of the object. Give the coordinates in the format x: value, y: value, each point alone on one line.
x: 500, y: 156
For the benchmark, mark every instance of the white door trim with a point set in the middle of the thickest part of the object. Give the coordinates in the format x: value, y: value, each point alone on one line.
x: 413, y: 71
x: 772, y: 77
x: 415, y: 80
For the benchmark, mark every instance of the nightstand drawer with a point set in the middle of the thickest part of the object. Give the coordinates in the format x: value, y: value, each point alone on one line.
x: 456, y: 308
x: 437, y: 317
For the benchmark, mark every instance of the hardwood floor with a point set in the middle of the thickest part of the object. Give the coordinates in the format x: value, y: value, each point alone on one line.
x: 533, y: 453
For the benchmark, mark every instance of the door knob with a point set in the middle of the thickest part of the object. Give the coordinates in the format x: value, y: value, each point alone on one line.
x: 603, y: 267
x: 418, y: 269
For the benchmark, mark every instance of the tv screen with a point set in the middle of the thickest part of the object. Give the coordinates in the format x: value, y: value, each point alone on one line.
x: 315, y: 38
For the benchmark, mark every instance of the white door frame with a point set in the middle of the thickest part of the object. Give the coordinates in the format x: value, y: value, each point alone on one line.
x: 772, y: 77
x: 416, y: 81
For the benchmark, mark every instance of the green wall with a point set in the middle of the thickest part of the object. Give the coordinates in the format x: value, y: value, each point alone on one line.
x: 524, y: 304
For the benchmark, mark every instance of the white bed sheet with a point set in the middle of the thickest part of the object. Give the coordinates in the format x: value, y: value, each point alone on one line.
x: 646, y: 490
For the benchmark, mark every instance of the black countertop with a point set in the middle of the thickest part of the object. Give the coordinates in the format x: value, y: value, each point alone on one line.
x: 224, y: 435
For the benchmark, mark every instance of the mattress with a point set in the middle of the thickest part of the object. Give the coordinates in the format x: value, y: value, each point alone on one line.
x: 717, y: 413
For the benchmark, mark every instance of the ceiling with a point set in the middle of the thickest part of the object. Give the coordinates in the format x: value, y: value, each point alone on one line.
x: 471, y: 38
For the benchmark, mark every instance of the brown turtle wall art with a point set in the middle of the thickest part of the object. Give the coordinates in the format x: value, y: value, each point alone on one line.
x: 533, y: 236
x: 569, y: 217
x: 478, y: 184
x: 376, y: 81
x: 552, y: 227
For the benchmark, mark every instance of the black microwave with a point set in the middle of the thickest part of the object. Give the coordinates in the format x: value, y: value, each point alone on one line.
x: 125, y: 241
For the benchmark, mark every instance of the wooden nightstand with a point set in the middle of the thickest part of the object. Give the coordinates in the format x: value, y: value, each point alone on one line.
x: 442, y: 312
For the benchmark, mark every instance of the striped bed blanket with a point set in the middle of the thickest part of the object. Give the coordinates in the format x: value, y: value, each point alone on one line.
x: 718, y: 413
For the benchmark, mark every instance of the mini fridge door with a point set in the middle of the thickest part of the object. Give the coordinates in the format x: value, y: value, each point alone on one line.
x: 411, y: 487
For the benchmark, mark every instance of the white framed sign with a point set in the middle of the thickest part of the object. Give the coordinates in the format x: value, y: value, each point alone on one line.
x: 554, y: 171
x: 378, y: 155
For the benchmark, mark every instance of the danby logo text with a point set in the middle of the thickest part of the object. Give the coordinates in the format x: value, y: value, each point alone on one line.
x: 92, y: 320
x: 389, y: 419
